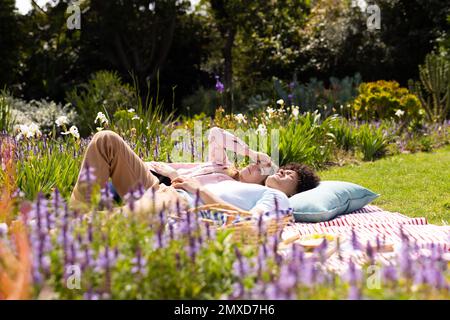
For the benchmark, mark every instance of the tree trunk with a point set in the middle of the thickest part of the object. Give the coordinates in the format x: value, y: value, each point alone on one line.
x: 228, y: 68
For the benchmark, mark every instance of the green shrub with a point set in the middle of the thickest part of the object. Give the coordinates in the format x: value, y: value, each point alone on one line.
x: 146, y: 122
x: 43, y: 168
x: 306, y: 140
x: 344, y: 134
x: 372, y: 142
x: 104, y: 92
x: 386, y: 99
x: 310, y: 95
x: 43, y: 113
x: 433, y: 89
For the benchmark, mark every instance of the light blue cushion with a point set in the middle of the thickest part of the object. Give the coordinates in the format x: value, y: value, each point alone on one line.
x: 330, y: 199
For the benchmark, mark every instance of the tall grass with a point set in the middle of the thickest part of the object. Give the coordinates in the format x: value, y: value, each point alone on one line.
x: 372, y: 142
x: 45, y: 166
x: 147, y: 123
x: 307, y: 140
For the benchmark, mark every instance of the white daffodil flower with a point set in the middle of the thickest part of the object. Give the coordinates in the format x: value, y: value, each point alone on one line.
x: 34, y: 128
x: 101, y: 119
x: 262, y: 130
x: 295, y: 111
x: 270, y: 111
x: 73, y: 131
x: 399, y: 113
x: 28, y: 131
x: 62, y: 120
x: 280, y: 102
x: 240, y: 118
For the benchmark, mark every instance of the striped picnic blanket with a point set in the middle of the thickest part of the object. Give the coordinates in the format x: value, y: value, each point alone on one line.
x: 369, y: 223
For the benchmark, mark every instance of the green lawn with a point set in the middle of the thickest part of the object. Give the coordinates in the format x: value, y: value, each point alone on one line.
x: 417, y: 185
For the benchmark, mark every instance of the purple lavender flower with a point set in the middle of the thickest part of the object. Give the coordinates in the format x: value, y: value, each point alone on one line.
x: 307, y: 276
x: 355, y: 243
x: 389, y: 274
x: 405, y: 260
x: 138, y: 263
x: 287, y: 279
x: 370, y: 253
x: 291, y: 97
x: 354, y: 277
x: 107, y: 197
x: 238, y: 290
x: 88, y: 175
x: 219, y: 85
x: 273, y: 292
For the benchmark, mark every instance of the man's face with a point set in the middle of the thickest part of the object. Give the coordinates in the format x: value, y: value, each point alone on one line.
x: 284, y: 180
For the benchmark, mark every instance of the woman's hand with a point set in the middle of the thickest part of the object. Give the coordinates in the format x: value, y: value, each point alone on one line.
x: 190, y: 185
x: 260, y: 158
x: 164, y: 169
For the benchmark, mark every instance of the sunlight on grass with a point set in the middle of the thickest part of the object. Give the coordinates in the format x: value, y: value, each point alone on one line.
x: 412, y: 184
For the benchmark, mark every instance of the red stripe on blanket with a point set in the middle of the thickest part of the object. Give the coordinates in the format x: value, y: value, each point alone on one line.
x: 372, y: 221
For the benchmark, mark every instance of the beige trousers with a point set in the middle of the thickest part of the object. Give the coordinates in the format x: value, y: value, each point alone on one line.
x: 110, y: 157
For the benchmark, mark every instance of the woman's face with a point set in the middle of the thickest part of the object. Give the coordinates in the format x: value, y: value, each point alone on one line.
x: 252, y: 174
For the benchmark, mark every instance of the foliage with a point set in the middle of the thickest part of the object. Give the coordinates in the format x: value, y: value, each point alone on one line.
x: 104, y: 92
x: 345, y: 134
x: 314, y: 93
x: 307, y: 140
x: 121, y: 256
x: 372, y: 142
x: 43, y: 113
x: 45, y: 165
x: 15, y: 274
x: 337, y: 41
x: 49, y: 57
x: 384, y: 100
x: 434, y: 88
x: 146, y: 122
x: 146, y: 39
x: 10, y: 35
x: 203, y: 100
x: 270, y: 43
x: 6, y: 116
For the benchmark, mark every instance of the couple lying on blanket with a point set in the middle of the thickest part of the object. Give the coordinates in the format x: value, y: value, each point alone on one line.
x: 255, y: 189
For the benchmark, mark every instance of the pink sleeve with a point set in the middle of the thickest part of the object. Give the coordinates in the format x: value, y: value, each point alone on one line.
x: 184, y: 165
x: 220, y: 141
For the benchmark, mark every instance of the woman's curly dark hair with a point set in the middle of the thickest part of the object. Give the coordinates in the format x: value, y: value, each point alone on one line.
x: 307, y: 177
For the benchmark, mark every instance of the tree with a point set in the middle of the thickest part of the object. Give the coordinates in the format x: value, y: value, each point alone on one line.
x: 338, y: 42
x: 271, y: 39
x: 266, y: 33
x: 10, y: 35
x: 147, y: 40
x: 50, y: 53
x: 227, y: 16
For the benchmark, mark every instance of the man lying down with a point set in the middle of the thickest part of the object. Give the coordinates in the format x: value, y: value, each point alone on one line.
x: 257, y: 188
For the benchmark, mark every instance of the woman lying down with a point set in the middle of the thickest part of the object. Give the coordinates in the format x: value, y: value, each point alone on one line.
x: 257, y: 188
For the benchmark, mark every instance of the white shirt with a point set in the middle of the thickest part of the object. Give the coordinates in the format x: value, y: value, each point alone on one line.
x: 250, y: 197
